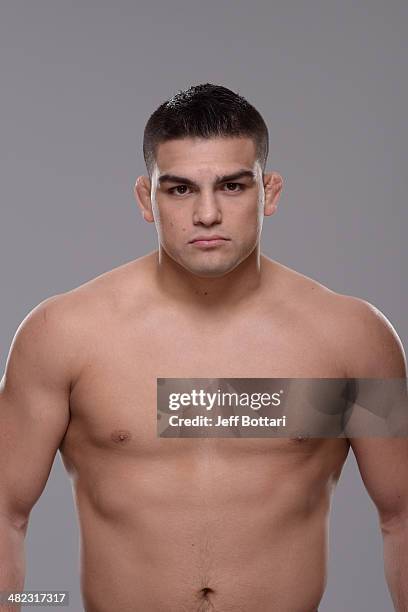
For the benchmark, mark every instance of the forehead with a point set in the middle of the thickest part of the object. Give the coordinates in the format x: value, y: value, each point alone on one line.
x: 205, y: 155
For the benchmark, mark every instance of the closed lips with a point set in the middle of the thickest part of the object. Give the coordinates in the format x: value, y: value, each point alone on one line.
x: 208, y: 238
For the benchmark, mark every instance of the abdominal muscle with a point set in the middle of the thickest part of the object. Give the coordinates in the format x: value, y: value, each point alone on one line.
x: 205, y: 533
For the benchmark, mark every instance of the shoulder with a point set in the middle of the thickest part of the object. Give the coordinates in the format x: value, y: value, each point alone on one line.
x: 369, y: 340
x: 43, y: 324
x: 55, y: 332
x: 43, y: 346
x: 114, y: 289
x: 363, y: 339
x: 89, y: 304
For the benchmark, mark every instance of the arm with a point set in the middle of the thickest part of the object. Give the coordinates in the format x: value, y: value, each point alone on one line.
x: 383, y: 462
x: 34, y: 415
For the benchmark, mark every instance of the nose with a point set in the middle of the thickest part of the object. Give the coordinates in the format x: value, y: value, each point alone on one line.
x: 206, y: 210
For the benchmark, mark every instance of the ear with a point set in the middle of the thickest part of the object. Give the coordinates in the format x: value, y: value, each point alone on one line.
x: 141, y: 192
x: 273, y: 184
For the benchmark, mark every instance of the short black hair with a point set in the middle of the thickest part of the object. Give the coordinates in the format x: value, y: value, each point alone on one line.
x: 205, y: 111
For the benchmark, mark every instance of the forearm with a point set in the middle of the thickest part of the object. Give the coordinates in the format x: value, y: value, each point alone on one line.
x: 12, y: 559
x: 395, y: 540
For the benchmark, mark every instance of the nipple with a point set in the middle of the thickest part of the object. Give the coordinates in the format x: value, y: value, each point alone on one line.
x: 121, y: 436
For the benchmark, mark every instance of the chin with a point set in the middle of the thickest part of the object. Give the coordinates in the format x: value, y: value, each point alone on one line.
x: 211, y: 271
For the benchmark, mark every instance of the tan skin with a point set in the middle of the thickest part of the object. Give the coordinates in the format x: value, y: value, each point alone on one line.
x: 188, y: 525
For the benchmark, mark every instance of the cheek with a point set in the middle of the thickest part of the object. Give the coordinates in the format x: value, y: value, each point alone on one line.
x: 244, y: 220
x: 168, y: 219
x: 173, y: 225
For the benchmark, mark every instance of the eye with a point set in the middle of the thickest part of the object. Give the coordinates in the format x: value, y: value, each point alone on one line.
x: 240, y: 185
x: 231, y: 187
x: 173, y: 189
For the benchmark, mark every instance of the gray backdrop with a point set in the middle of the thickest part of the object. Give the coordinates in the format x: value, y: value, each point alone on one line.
x: 79, y: 80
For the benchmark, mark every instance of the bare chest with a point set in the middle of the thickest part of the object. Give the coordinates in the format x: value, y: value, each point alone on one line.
x: 114, y: 401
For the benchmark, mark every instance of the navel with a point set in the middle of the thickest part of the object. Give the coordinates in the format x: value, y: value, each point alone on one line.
x: 206, y: 591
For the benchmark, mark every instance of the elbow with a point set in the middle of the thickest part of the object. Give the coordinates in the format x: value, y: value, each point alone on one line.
x: 394, y: 523
x: 19, y: 522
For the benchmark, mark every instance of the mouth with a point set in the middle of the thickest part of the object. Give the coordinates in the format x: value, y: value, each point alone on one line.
x: 208, y: 241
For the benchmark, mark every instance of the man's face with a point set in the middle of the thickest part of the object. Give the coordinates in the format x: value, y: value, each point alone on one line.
x: 208, y: 188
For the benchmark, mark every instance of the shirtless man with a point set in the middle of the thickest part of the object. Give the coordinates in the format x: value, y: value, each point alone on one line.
x: 190, y: 525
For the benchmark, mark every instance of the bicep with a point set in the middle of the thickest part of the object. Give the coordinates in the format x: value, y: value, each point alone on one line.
x: 378, y: 433
x: 383, y: 465
x: 34, y: 413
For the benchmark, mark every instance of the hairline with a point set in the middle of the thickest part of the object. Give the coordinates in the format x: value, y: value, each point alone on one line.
x: 209, y: 137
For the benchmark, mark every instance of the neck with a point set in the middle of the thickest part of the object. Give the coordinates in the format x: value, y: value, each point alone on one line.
x: 227, y: 291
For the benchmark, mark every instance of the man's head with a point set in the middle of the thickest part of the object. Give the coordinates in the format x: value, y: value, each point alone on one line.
x: 205, y: 151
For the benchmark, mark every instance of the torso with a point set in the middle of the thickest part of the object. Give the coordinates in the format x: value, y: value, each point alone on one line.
x: 187, y: 524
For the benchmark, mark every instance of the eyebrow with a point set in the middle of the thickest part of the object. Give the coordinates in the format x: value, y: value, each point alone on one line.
x: 172, y: 178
